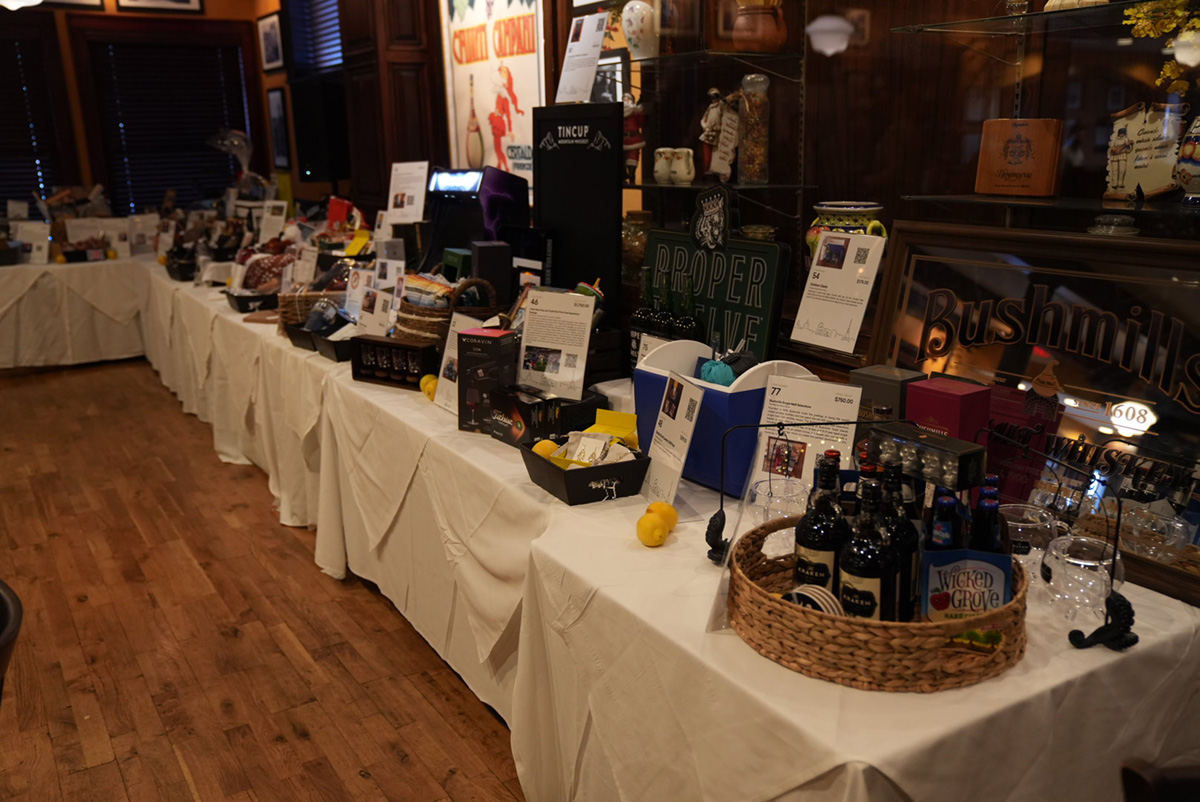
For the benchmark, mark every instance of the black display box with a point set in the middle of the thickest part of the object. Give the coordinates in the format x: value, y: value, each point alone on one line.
x: 333, y: 350
x: 300, y: 336
x: 523, y: 414
x: 487, y: 360
x: 395, y: 363
x: 253, y: 303
x: 579, y: 145
x: 575, y: 416
x: 585, y: 485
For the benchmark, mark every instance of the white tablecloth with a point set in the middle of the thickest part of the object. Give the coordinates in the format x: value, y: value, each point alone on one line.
x: 594, y: 648
x: 261, y: 395
x: 622, y: 695
x: 71, y: 314
x: 440, y: 519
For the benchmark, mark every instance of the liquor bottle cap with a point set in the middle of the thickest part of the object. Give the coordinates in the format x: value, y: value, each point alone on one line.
x: 991, y: 480
x: 943, y: 491
x: 833, y: 453
x: 947, y: 501
x: 989, y: 492
x: 989, y: 504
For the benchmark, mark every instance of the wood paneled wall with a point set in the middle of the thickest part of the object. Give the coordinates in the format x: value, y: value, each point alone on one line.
x: 394, y: 91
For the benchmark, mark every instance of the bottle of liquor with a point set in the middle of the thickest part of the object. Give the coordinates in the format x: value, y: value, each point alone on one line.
x: 822, y: 530
x: 945, y: 531
x: 867, y: 470
x: 661, y: 319
x: 640, y: 320
x: 880, y: 412
x: 868, y: 563
x: 985, y: 528
x: 474, y: 141
x: 685, y: 325
x: 906, y: 538
x: 991, y: 480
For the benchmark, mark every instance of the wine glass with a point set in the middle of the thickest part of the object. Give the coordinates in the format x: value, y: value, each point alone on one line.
x: 777, y: 497
x: 1030, y: 530
x: 472, y: 401
x: 1078, y: 572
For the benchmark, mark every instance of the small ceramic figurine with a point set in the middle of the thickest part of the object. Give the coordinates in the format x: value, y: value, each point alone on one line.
x: 710, y: 127
x: 634, y: 141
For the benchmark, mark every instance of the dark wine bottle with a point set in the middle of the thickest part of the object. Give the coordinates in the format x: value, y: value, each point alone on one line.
x: 640, y: 320
x: 685, y: 324
x: 906, y: 538
x: 822, y: 530
x: 945, y: 531
x: 868, y: 563
x: 991, y: 480
x: 660, y: 320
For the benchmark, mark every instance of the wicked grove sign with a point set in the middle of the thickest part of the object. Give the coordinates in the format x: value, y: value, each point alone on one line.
x: 1105, y: 326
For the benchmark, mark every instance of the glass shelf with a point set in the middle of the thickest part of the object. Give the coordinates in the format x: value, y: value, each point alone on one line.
x: 1097, y: 205
x: 1069, y: 19
x: 788, y: 66
x: 701, y: 185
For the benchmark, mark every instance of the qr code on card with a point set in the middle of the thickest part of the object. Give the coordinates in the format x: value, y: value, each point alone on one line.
x: 570, y: 360
x: 691, y: 410
x: 861, y: 255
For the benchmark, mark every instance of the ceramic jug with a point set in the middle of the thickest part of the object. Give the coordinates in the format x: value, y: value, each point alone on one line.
x: 847, y: 217
x: 639, y: 21
x: 759, y: 27
x: 683, y: 169
x: 662, y: 164
x: 1187, y: 167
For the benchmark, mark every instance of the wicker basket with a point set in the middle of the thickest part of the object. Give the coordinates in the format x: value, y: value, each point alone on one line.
x: 425, y: 324
x: 870, y: 655
x: 295, y: 307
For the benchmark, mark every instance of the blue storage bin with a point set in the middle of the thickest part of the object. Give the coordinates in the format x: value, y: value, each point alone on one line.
x: 722, y: 407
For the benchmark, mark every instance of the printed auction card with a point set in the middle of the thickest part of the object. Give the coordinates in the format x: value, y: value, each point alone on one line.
x: 672, y: 437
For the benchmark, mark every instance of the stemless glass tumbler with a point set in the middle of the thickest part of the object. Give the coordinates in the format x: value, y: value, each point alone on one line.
x: 1077, y: 573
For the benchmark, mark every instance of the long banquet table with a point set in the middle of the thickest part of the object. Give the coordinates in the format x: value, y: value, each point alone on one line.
x: 70, y: 314
x: 595, y: 649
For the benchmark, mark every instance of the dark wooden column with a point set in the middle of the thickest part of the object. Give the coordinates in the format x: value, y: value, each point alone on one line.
x: 395, y: 91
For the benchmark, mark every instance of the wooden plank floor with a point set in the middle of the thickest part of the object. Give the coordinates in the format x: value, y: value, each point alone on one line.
x: 180, y: 644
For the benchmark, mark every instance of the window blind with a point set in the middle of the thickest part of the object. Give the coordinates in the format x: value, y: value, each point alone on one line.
x: 29, y: 158
x: 157, y: 106
x: 316, y: 35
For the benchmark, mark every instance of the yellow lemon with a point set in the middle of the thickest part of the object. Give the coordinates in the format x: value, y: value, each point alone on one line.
x: 652, y: 530
x: 60, y: 259
x: 162, y: 260
x: 426, y: 379
x: 666, y: 512
x: 429, y: 387
x: 544, y: 448
x: 111, y: 254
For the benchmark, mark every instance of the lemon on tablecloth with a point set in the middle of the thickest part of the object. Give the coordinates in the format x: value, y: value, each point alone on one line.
x: 429, y: 387
x: 652, y: 530
x: 426, y: 379
x: 666, y: 512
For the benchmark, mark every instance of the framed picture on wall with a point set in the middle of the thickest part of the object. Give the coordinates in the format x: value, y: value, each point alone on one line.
x: 76, y: 3
x: 270, y: 42
x: 277, y: 110
x: 180, y: 6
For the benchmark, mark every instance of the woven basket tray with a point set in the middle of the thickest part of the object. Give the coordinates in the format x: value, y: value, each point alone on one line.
x: 294, y: 307
x: 871, y: 655
x: 423, y: 324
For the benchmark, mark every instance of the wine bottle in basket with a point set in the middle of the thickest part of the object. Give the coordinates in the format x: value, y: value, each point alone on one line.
x: 822, y: 530
x: 868, y: 566
x: 906, y: 538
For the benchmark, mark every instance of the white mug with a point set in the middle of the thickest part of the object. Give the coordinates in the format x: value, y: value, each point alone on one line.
x: 663, y: 159
x: 683, y: 170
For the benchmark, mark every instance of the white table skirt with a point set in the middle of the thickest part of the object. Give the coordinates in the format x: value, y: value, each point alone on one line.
x: 594, y: 648
x: 622, y: 695
x: 71, y: 314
